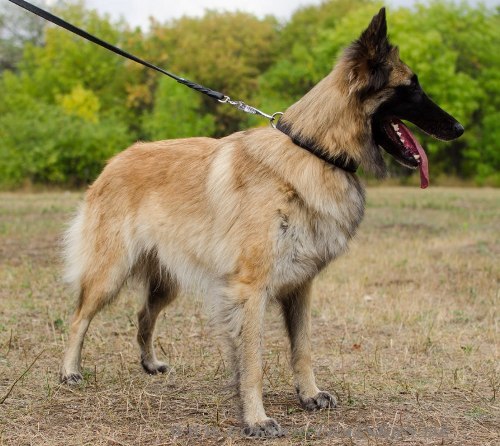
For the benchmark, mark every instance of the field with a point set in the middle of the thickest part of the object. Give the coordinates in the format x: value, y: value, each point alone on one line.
x: 405, y: 334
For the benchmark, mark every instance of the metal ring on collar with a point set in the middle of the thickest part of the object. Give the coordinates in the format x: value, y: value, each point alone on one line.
x: 275, y: 117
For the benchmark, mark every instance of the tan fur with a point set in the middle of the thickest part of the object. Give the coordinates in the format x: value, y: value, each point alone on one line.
x: 245, y: 220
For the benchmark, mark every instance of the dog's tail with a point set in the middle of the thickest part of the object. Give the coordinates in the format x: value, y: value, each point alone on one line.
x: 75, y: 250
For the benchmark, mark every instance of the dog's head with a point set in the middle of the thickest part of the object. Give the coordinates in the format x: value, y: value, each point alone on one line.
x: 389, y: 92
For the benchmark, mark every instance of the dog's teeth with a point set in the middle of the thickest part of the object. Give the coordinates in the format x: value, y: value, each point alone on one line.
x: 417, y: 157
x: 395, y: 127
x: 399, y: 134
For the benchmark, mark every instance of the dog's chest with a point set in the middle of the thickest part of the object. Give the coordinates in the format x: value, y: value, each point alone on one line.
x: 307, y: 241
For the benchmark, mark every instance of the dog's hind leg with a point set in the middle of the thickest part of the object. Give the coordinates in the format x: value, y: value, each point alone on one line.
x: 296, y: 308
x: 160, y: 292
x: 100, y: 286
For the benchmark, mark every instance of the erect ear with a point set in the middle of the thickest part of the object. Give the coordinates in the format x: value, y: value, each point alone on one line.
x: 374, y: 38
x: 369, y: 54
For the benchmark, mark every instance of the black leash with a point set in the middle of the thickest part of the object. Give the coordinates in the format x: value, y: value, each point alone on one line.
x: 221, y: 97
x: 341, y: 162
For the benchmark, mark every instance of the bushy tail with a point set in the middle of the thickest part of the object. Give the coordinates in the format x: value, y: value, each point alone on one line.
x: 75, y: 250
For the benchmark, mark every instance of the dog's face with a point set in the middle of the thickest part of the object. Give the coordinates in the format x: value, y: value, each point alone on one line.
x: 389, y: 91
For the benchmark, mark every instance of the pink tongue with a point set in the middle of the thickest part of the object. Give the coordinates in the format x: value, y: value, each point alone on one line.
x: 423, y: 163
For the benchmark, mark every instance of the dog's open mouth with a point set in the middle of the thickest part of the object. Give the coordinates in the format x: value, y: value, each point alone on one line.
x: 411, y: 149
x: 396, y: 139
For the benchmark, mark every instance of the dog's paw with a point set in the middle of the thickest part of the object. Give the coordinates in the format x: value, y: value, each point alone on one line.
x: 71, y: 378
x: 154, y: 367
x: 268, y: 428
x: 323, y: 400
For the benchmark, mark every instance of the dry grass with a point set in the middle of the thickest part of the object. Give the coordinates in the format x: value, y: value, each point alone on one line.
x: 404, y: 333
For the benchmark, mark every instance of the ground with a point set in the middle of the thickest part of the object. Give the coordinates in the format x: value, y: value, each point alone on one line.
x: 405, y: 334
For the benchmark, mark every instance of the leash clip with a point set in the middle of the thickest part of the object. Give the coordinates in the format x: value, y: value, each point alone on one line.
x: 240, y: 105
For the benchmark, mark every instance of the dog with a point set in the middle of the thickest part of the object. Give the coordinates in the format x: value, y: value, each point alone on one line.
x: 250, y: 218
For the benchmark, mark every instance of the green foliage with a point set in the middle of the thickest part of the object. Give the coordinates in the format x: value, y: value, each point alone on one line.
x: 298, y: 67
x: 45, y: 145
x: 67, y: 105
x: 225, y: 51
x: 177, y: 113
x: 63, y: 111
x: 66, y: 61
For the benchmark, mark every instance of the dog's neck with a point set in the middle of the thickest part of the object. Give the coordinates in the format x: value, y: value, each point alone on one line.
x: 342, y: 161
x: 326, y: 123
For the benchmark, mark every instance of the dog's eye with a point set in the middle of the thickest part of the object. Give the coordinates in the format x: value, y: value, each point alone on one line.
x: 410, y: 93
x: 414, y: 85
x: 414, y: 90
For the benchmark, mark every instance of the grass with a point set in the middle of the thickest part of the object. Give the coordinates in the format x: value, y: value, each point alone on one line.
x: 405, y: 334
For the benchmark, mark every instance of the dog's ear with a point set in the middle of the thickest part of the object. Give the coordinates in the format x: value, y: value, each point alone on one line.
x: 374, y: 38
x: 368, y: 56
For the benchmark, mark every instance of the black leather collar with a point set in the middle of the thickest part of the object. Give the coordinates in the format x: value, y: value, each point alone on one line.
x: 342, y: 162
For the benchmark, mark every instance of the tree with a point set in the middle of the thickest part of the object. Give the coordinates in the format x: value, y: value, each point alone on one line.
x: 45, y: 145
x: 224, y: 51
x: 177, y: 113
x: 16, y: 29
x: 63, y: 110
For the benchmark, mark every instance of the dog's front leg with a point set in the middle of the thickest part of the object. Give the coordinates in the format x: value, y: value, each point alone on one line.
x: 244, y: 321
x: 297, y: 313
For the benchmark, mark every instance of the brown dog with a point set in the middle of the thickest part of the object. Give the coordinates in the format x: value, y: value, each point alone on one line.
x: 249, y: 218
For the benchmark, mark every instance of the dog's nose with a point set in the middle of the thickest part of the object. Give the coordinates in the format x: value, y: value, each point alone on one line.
x: 459, y: 129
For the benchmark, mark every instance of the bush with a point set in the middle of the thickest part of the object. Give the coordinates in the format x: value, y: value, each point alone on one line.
x: 43, y: 144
